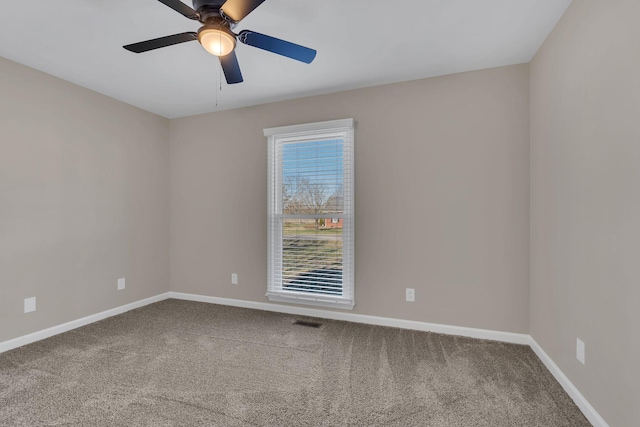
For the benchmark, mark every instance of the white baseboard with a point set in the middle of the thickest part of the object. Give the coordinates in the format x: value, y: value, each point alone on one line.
x: 65, y: 327
x: 582, y: 403
x: 509, y: 337
x: 589, y: 411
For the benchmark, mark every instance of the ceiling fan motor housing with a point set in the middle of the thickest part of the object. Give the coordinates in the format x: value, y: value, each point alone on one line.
x: 197, y: 4
x: 209, y: 13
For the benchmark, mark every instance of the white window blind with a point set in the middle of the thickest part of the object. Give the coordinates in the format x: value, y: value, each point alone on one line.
x: 310, y: 219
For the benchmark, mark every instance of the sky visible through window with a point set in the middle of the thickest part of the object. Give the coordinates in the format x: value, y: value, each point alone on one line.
x: 312, y: 171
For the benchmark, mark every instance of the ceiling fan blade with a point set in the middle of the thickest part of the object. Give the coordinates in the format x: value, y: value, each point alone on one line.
x: 281, y: 47
x: 231, y: 68
x: 237, y: 10
x: 161, y: 42
x: 182, y: 8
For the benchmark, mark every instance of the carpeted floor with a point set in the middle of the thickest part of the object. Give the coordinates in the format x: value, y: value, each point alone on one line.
x: 187, y: 363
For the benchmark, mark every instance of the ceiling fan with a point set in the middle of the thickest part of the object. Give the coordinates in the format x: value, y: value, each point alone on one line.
x: 218, y: 18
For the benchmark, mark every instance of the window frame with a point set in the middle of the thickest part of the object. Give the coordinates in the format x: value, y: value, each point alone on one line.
x: 276, y: 137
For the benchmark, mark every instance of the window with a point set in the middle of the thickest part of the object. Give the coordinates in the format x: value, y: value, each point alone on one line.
x: 310, y: 224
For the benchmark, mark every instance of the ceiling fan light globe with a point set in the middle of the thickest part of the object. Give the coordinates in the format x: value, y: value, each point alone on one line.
x: 217, y: 42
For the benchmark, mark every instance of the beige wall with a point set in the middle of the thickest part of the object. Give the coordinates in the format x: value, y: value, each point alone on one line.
x: 585, y: 223
x: 84, y: 200
x: 84, y: 187
x: 446, y: 159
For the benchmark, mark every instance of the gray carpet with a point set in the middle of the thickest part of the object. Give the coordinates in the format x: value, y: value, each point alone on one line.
x: 195, y: 364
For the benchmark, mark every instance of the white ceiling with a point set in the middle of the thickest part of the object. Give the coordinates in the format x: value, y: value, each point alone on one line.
x: 359, y: 42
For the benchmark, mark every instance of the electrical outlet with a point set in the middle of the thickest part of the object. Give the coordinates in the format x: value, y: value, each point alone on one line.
x: 234, y: 279
x: 29, y: 304
x: 121, y: 284
x: 580, y: 351
x: 410, y: 294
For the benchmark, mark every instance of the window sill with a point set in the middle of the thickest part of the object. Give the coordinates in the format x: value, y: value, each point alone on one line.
x: 308, y: 300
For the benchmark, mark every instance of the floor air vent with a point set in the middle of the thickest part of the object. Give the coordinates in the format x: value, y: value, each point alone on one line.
x: 309, y: 324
